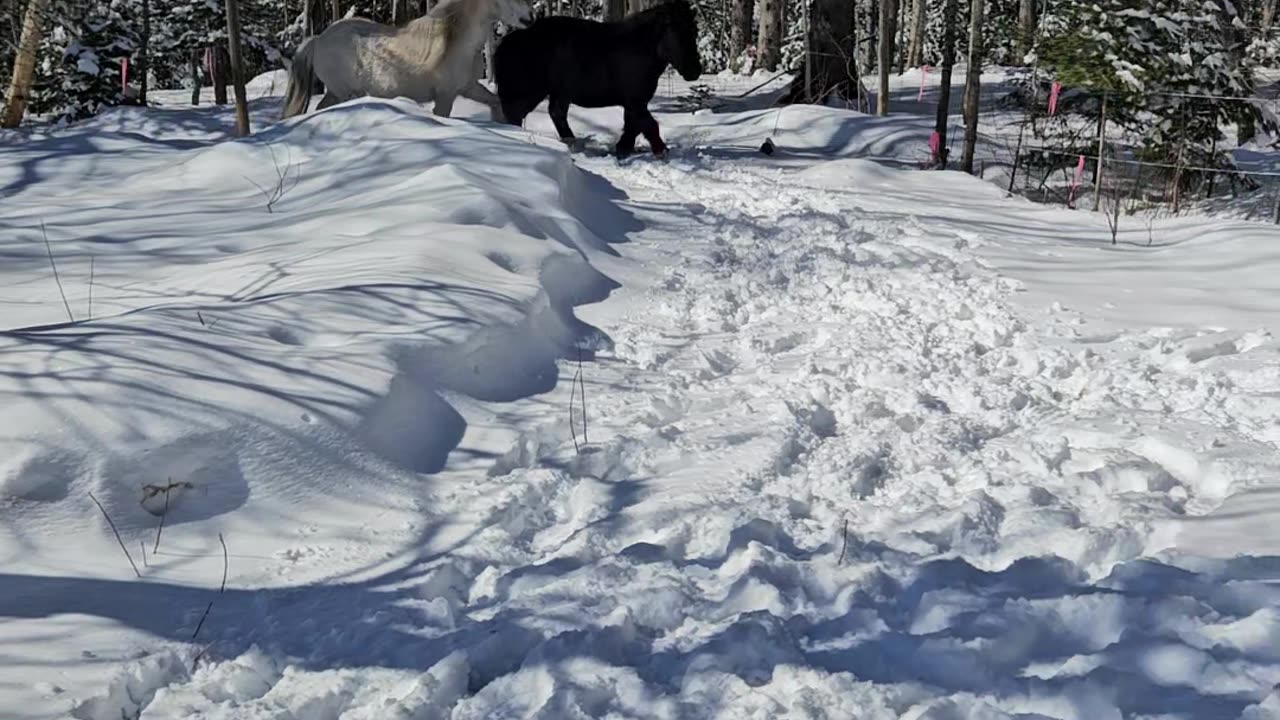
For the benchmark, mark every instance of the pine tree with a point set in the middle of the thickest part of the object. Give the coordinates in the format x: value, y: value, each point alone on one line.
x: 1158, y: 62
x: 80, y: 59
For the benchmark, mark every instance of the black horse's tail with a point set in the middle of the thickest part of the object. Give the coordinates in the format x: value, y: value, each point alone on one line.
x: 520, y: 73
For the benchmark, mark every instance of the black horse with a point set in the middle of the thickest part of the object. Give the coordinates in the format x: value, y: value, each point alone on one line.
x: 595, y: 64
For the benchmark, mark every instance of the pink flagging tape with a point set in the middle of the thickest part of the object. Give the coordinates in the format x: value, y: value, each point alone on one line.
x: 124, y: 74
x: 1053, y: 98
x: 935, y: 145
x: 924, y: 72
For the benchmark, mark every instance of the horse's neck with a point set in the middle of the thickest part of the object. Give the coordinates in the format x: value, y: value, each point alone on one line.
x: 454, y: 22
x: 646, y: 31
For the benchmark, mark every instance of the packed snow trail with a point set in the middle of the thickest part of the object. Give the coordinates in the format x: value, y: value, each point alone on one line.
x: 830, y: 465
x: 831, y: 473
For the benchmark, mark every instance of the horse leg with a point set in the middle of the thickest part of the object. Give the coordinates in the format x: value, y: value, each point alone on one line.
x: 647, y: 125
x: 558, y: 109
x: 328, y: 99
x: 481, y: 94
x: 444, y: 104
x: 627, y: 143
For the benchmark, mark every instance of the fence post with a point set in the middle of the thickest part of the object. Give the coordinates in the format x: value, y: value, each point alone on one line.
x: 1275, y: 212
x: 1102, y: 129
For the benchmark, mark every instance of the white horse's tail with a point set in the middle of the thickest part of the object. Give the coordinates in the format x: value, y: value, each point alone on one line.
x: 301, y: 79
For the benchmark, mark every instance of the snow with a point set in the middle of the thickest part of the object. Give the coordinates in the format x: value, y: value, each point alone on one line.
x: 491, y: 430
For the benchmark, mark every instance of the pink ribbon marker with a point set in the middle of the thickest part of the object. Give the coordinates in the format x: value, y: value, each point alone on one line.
x: 124, y: 74
x: 924, y: 72
x: 935, y: 142
x: 1053, y: 98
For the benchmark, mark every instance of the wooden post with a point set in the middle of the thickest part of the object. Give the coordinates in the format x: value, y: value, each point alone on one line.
x: 973, y: 85
x: 145, y: 65
x: 943, y: 118
x: 195, y: 77
x: 237, y: 67
x: 888, y: 17
x: 1102, y: 129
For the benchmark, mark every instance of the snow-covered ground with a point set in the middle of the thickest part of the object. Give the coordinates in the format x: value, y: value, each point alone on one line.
x: 493, y: 431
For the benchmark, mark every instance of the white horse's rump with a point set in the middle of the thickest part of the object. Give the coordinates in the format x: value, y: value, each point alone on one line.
x: 434, y: 57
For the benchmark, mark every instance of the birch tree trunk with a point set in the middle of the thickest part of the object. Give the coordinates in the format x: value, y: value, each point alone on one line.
x: 972, y: 85
x: 888, y: 18
x: 1026, y: 27
x: 915, y: 53
x: 237, y: 67
x: 769, y: 44
x: 24, y: 65
x: 900, y: 11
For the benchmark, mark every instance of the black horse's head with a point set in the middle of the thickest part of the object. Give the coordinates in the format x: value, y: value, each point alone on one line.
x: 679, y: 43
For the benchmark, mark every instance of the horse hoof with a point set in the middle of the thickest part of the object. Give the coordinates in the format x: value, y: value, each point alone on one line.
x: 660, y: 153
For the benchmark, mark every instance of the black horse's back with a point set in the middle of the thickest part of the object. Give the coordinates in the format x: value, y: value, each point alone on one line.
x: 593, y: 64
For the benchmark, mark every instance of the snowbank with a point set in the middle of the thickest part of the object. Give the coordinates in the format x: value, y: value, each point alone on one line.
x: 264, y: 337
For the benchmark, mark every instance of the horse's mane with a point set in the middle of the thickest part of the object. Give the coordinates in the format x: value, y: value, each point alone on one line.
x: 667, y: 10
x: 449, y: 14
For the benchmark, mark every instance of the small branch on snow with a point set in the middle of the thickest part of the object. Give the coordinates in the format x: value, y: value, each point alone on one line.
x: 577, y: 382
x: 48, y: 247
x: 117, y: 532
x: 150, y: 491
x: 91, y: 259
x: 573, y: 430
x: 206, y: 324
x: 282, y: 175
x: 225, y: 565
x: 583, y: 383
x: 845, y: 545
x: 143, y: 545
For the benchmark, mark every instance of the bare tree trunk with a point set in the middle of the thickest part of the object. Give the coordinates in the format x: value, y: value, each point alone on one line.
x: 900, y: 11
x: 1268, y: 17
x: 740, y: 22
x: 769, y: 44
x: 870, y: 23
x: 1026, y: 27
x: 888, y: 16
x: 24, y: 65
x: 218, y: 66
x: 972, y: 86
x: 195, y: 77
x: 237, y: 67
x: 943, y: 120
x: 144, y: 59
x: 335, y: 11
x: 831, y: 67
x: 614, y: 10
x: 915, y: 55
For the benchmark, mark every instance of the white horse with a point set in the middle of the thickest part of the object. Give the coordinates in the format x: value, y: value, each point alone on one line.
x: 435, y: 57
